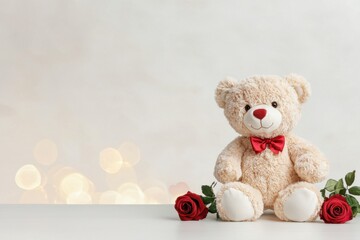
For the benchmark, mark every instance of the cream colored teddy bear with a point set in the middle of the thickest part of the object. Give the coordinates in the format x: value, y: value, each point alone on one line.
x: 267, y: 167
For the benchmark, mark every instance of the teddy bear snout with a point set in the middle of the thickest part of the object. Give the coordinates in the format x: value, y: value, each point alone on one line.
x: 262, y: 119
x: 260, y: 113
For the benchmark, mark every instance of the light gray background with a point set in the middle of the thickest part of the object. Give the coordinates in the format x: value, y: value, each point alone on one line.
x: 92, y: 74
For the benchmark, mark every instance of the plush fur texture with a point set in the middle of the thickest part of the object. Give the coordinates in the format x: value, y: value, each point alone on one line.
x: 273, y: 175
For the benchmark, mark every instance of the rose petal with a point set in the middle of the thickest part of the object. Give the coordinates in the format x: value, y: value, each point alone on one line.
x: 335, y: 210
x: 190, y: 207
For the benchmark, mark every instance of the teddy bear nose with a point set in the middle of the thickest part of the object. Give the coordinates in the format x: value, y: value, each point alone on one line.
x: 260, y: 113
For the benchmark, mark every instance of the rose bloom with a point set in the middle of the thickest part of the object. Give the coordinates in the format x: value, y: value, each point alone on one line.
x: 190, y: 207
x: 335, y: 210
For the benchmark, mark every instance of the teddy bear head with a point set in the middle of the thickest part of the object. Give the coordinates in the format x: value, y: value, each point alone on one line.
x: 263, y: 106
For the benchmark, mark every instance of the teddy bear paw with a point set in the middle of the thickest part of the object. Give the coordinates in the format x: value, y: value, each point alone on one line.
x: 226, y: 175
x: 298, y: 202
x: 300, y: 205
x: 236, y: 205
x: 239, y: 202
x: 312, y: 168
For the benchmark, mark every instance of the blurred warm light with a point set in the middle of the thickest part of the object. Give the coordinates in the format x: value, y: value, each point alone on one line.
x: 79, y: 198
x: 36, y: 196
x: 109, y: 197
x: 126, y: 174
x: 178, y: 190
x: 63, y: 184
x: 110, y: 160
x: 57, y: 173
x: 28, y: 177
x: 148, y: 182
x: 156, y: 195
x: 130, y: 153
x: 46, y: 152
x: 155, y: 191
x: 130, y: 193
x: 74, y: 183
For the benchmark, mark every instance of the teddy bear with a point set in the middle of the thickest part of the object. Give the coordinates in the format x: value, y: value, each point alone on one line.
x: 266, y: 166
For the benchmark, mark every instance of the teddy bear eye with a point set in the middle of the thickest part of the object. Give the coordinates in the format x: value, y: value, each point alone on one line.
x: 274, y: 104
x: 247, y: 107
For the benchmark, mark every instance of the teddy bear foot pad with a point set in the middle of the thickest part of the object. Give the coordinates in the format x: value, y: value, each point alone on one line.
x: 236, y: 205
x: 237, y: 201
x: 298, y: 202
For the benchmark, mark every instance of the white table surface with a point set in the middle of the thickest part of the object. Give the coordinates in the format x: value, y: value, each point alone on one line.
x: 52, y: 222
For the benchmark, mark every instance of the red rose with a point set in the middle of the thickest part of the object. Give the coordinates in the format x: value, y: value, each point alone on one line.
x: 335, y: 210
x: 190, y: 207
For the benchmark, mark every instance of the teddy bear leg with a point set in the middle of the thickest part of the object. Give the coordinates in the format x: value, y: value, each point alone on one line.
x: 237, y: 201
x: 298, y: 202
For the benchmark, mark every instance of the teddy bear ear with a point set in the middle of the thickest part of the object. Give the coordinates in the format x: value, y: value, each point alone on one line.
x: 301, y: 86
x: 223, y: 89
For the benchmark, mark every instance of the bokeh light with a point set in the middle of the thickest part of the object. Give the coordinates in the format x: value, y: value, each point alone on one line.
x: 126, y: 174
x: 57, y: 173
x: 36, y: 196
x: 156, y: 195
x: 178, y: 190
x: 155, y: 191
x: 46, y: 152
x: 28, y: 177
x: 130, y: 193
x: 110, y: 160
x: 110, y: 197
x: 79, y: 198
x: 126, y: 183
x: 74, y: 183
x: 130, y: 153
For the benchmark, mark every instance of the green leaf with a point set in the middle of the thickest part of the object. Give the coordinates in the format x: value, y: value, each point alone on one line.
x: 349, y: 178
x: 355, y: 190
x: 331, y: 194
x: 212, y: 208
x: 354, y: 204
x: 330, y: 185
x: 323, y: 192
x: 352, y: 201
x: 354, y: 211
x: 207, y: 191
x: 339, y: 187
x: 339, y: 184
x: 207, y: 200
x: 341, y: 191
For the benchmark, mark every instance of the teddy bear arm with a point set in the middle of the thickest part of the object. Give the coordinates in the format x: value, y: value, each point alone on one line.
x: 309, y: 163
x: 228, y: 164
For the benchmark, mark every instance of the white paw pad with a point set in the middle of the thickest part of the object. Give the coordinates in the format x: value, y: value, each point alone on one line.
x: 300, y: 205
x: 236, y: 205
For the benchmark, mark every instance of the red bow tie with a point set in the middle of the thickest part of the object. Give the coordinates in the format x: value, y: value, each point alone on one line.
x: 275, y: 144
